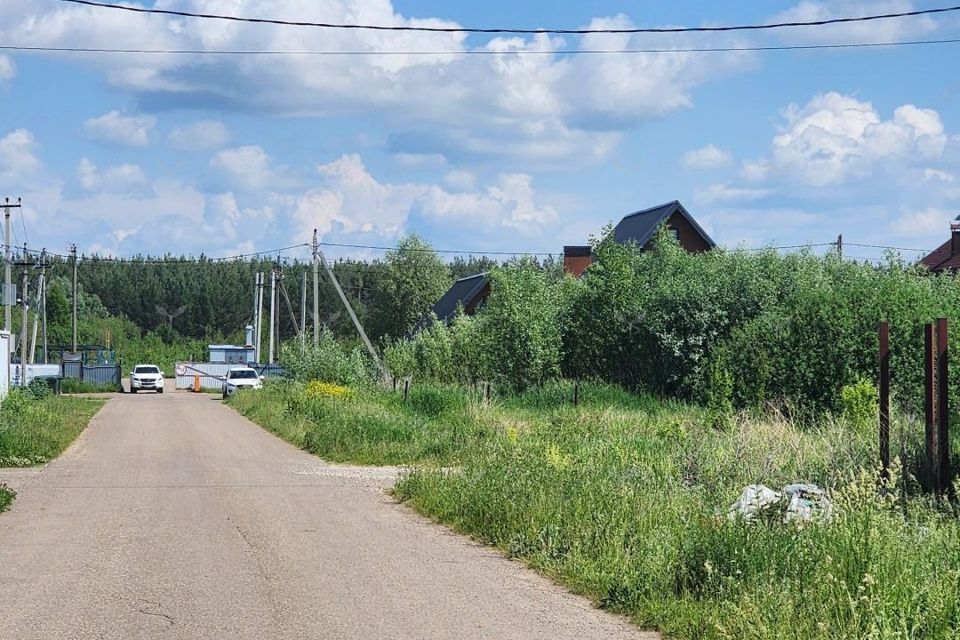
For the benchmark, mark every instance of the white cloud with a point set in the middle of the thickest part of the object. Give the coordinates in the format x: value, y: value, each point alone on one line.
x: 835, y: 138
x: 7, y: 68
x: 872, y: 31
x: 931, y: 175
x: 708, y: 157
x: 544, y: 108
x: 460, y: 180
x: 722, y: 193
x: 930, y: 222
x: 116, y: 179
x: 19, y: 164
x: 247, y: 167
x: 199, y: 136
x: 353, y: 201
x: 118, y: 128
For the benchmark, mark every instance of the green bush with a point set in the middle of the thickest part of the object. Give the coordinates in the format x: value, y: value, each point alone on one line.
x: 860, y: 403
x: 328, y: 362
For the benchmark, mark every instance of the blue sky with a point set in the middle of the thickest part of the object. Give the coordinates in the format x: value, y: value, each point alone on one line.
x: 185, y: 154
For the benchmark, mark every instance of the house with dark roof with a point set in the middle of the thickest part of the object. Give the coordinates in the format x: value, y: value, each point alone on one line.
x: 946, y: 257
x: 470, y: 293
x: 640, y: 228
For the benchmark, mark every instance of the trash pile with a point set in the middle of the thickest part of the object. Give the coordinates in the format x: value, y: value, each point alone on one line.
x: 794, y: 503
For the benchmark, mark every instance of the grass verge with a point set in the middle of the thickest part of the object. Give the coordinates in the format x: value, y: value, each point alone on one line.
x: 624, y: 499
x: 369, y: 426
x: 34, y: 430
x: 6, y: 497
x: 625, y: 502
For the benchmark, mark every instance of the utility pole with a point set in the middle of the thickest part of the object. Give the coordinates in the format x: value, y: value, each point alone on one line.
x: 316, y: 292
x: 43, y: 304
x: 8, y: 298
x: 303, y: 312
x: 840, y: 245
x: 23, y: 324
x: 73, y: 253
x: 353, y: 316
x: 273, y: 311
x: 253, y: 321
x: 258, y: 329
x: 36, y: 318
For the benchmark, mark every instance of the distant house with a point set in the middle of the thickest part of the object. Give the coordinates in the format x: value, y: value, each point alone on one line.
x: 946, y: 257
x: 639, y: 228
x: 470, y: 293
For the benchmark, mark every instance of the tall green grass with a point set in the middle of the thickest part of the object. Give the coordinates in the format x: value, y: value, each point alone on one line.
x: 371, y: 426
x: 625, y: 500
x: 34, y: 430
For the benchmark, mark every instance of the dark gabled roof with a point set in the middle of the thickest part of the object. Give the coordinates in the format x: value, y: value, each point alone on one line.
x: 462, y: 292
x: 639, y: 227
x: 942, y: 258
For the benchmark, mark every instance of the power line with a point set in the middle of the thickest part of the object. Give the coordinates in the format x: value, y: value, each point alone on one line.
x: 23, y: 223
x: 430, y: 250
x: 372, y: 27
x: 146, y: 260
x: 880, y: 246
x: 479, y: 52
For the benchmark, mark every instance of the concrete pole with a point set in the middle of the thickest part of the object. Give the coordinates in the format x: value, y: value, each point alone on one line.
x: 259, y: 326
x: 36, y: 322
x: 316, y: 292
x: 43, y: 305
x: 7, y: 284
x: 303, y: 312
x: 273, y: 312
x: 73, y: 252
x: 23, y: 329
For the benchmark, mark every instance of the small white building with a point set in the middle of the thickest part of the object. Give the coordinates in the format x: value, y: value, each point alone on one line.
x: 231, y: 354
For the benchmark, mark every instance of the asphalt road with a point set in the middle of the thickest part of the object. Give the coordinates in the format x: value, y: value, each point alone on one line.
x: 173, y: 517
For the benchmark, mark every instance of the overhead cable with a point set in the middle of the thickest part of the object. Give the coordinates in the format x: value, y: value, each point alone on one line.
x: 479, y: 52
x: 512, y: 30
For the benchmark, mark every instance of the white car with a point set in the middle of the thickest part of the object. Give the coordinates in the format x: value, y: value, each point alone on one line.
x: 146, y: 377
x: 241, y: 378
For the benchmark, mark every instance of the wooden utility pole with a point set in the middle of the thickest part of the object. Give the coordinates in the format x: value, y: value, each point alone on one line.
x: 840, y: 245
x: 316, y: 292
x: 73, y: 253
x: 8, y: 298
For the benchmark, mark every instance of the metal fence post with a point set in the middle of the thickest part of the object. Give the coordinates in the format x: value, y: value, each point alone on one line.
x: 884, y: 401
x: 929, y: 403
x: 943, y: 414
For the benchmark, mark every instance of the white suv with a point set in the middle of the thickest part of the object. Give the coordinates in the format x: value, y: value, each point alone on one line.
x: 241, y: 378
x: 146, y: 376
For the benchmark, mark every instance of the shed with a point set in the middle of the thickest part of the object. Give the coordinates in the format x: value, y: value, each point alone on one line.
x: 231, y: 354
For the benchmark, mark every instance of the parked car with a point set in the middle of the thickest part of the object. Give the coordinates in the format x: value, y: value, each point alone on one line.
x: 241, y: 378
x: 146, y: 377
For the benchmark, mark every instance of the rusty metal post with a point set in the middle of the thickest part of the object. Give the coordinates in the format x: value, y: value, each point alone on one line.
x: 884, y: 401
x: 929, y: 403
x: 406, y: 389
x: 576, y: 393
x: 944, y: 477
x: 486, y: 392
